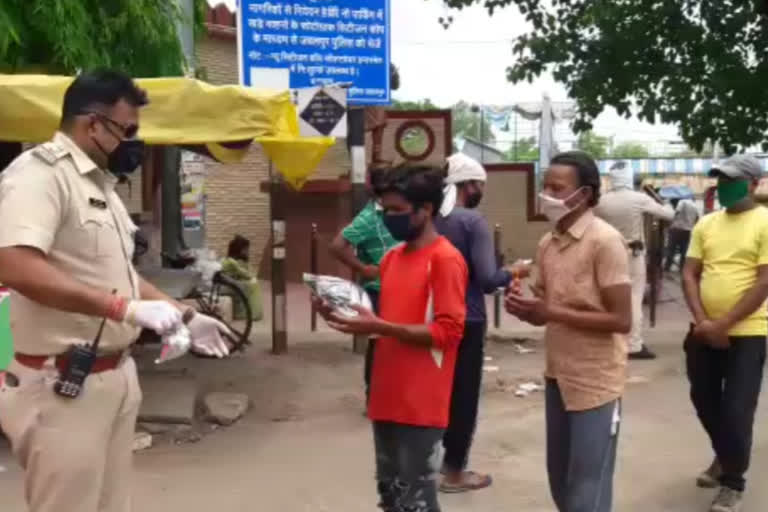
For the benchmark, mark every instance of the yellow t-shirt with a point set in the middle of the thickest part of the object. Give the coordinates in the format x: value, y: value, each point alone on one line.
x: 731, y: 247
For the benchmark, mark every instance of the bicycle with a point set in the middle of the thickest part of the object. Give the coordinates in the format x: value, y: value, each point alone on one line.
x: 209, y: 301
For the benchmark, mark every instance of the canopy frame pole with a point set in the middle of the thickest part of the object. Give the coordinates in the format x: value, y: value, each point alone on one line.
x: 277, y: 228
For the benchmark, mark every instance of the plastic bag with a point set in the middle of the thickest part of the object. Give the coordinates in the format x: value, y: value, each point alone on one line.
x: 339, y: 293
x: 175, y: 344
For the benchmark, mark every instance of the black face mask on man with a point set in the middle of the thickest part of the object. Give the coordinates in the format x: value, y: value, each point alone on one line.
x: 127, y: 155
x: 401, y: 227
x: 472, y: 200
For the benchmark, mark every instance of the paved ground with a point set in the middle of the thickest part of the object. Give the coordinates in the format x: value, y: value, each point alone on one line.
x: 304, y: 446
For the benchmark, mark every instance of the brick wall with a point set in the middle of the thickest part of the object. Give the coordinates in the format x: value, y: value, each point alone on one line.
x: 235, y: 202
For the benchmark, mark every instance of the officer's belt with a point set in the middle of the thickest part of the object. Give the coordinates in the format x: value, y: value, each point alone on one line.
x: 100, y: 364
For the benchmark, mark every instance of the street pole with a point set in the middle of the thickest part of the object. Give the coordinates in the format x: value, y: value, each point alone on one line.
x: 171, y: 229
x: 482, y: 143
x: 277, y: 226
x: 356, y: 142
x: 515, y: 135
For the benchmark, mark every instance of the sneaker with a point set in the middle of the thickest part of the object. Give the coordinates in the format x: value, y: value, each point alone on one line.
x: 643, y: 353
x: 727, y: 500
x: 710, y: 478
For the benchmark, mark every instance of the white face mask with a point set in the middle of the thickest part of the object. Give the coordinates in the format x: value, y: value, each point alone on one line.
x: 555, y: 209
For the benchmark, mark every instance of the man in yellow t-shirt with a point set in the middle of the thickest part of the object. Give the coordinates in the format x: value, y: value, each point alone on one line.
x: 725, y: 279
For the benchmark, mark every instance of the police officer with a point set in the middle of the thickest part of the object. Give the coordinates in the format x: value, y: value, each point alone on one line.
x: 66, y: 242
x: 624, y: 208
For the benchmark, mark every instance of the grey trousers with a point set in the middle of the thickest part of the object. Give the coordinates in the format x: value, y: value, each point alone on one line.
x: 581, y: 453
x: 407, y: 459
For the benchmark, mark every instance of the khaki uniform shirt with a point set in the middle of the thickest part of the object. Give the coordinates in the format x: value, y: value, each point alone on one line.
x: 589, y: 366
x: 55, y: 198
x: 624, y: 208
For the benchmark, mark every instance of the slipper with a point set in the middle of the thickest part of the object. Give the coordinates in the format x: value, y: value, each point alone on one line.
x: 471, y: 481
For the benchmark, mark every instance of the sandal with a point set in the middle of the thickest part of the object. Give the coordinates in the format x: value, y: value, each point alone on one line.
x: 470, y: 481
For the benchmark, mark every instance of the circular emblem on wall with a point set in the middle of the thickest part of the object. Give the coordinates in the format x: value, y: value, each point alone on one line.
x: 414, y: 140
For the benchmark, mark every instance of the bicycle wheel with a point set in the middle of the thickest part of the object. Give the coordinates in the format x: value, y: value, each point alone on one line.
x: 210, y: 304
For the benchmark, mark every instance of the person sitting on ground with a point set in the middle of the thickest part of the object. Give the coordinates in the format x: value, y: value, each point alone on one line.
x: 236, y: 266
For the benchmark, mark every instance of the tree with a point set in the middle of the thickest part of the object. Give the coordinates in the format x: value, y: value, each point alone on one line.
x: 630, y: 150
x: 523, y: 150
x: 697, y: 63
x: 595, y: 145
x: 425, y: 104
x: 63, y: 37
x: 466, y: 122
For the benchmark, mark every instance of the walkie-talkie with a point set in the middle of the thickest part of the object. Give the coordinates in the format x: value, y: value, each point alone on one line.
x: 70, y: 382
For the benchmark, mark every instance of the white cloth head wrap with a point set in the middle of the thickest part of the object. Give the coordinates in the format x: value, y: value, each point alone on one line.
x: 461, y: 168
x: 621, y: 175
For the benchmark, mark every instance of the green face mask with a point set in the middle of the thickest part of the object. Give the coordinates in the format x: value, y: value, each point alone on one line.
x: 731, y: 192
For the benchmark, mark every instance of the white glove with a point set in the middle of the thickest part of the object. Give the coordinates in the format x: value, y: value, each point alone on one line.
x: 207, y: 335
x: 157, y: 315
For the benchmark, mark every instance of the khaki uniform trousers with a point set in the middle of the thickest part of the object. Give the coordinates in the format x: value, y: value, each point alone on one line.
x: 76, y: 453
x: 637, y: 273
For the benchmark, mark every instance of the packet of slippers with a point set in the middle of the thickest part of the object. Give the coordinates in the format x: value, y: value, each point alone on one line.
x: 175, y: 344
x: 339, y: 293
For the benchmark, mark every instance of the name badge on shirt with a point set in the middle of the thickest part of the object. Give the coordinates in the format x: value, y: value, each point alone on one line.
x: 97, y: 203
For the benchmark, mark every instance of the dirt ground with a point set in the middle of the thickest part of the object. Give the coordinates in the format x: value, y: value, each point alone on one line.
x: 304, y: 446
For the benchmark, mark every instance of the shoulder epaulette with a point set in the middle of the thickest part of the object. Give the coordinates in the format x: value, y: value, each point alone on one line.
x: 50, y: 152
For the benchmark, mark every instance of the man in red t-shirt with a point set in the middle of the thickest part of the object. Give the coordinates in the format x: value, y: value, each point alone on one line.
x: 422, y: 310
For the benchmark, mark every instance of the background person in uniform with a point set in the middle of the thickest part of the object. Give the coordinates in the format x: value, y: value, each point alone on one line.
x: 361, y: 246
x: 422, y: 309
x: 466, y: 228
x: 624, y: 209
x: 679, y: 234
x: 66, y: 242
x: 725, y: 280
x: 582, y: 295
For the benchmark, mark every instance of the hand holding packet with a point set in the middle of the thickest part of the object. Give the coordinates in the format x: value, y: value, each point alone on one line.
x: 175, y: 344
x: 339, y: 293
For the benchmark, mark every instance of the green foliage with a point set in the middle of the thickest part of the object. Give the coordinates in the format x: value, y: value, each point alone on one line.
x: 523, y: 150
x: 701, y: 64
x: 630, y: 150
x: 467, y: 123
x: 595, y: 145
x: 66, y: 36
x: 425, y: 104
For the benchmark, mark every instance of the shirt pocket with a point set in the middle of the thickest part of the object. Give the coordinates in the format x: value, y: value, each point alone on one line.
x: 96, y: 234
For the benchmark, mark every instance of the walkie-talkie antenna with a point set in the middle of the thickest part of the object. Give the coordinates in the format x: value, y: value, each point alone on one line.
x: 96, y: 341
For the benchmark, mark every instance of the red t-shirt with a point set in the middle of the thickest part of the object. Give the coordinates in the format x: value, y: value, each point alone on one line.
x: 412, y: 384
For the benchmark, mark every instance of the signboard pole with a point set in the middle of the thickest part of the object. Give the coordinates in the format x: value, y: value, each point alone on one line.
x: 356, y: 141
x: 279, y: 299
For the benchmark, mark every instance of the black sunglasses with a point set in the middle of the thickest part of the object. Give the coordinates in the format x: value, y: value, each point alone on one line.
x: 129, y: 131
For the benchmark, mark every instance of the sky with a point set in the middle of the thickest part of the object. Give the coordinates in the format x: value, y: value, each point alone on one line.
x: 468, y: 62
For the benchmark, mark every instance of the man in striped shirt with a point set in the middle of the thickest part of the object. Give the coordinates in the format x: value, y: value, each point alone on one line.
x: 361, y: 246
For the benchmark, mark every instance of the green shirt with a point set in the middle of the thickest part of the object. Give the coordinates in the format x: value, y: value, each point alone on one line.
x: 371, y: 239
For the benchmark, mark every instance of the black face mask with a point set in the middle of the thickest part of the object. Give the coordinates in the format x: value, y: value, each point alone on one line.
x: 473, y: 200
x: 400, y: 227
x: 126, y: 157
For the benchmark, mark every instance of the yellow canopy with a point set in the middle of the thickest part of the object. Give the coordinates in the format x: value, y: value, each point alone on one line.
x: 181, y: 111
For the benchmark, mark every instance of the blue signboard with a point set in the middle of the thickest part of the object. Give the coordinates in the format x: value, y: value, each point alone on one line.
x: 305, y: 43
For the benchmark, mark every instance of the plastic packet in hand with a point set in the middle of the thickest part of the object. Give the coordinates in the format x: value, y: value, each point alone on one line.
x: 175, y: 344
x: 339, y: 293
